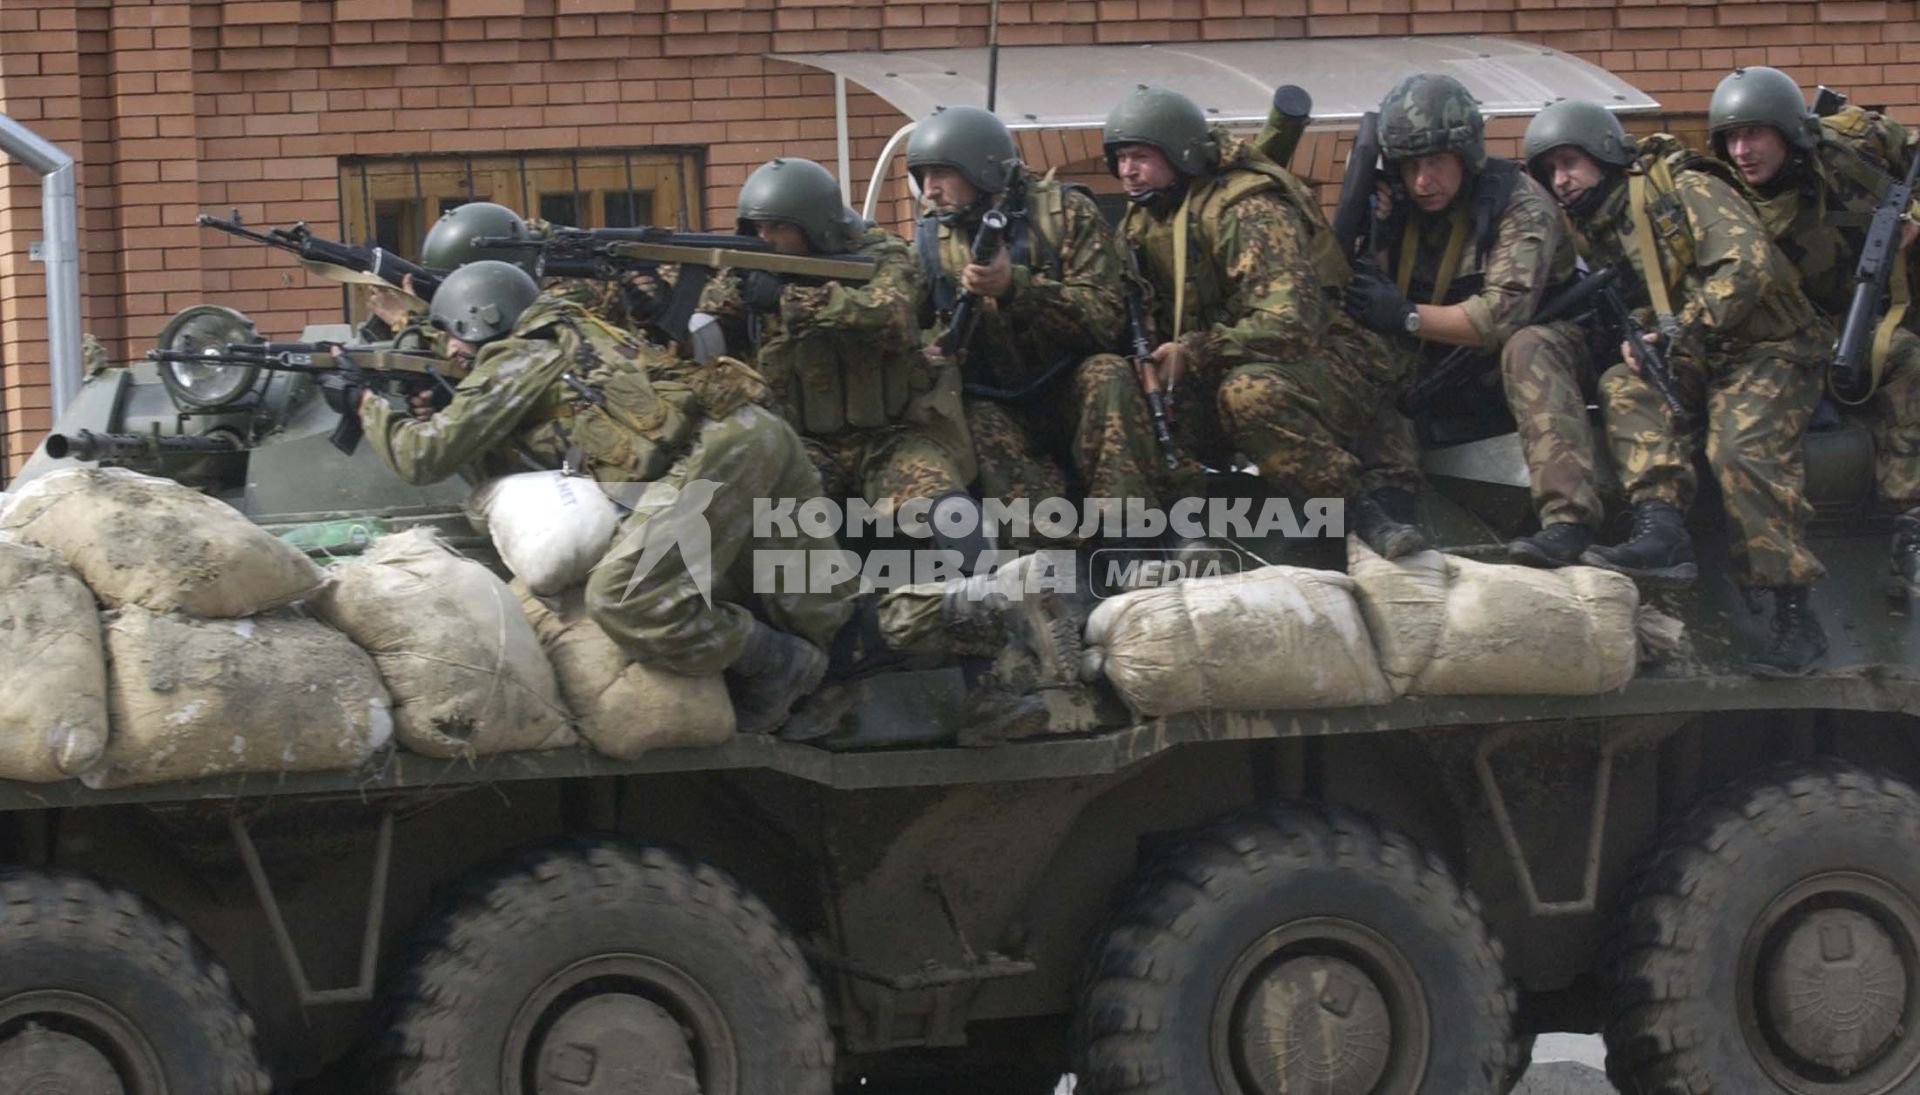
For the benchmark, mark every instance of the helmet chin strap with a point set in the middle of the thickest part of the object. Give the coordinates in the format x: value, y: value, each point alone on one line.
x: 1587, y: 203
x: 1164, y: 198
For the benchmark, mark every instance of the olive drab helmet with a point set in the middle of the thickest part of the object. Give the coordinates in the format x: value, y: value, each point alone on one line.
x: 1166, y: 120
x: 804, y: 194
x: 1428, y: 113
x: 1587, y: 126
x: 482, y: 300
x: 449, y: 244
x: 1758, y: 95
x: 971, y: 141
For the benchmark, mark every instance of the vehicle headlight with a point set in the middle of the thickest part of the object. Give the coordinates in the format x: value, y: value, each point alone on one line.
x: 212, y: 384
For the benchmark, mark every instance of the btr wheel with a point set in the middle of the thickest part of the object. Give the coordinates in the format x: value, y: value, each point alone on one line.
x: 1296, y: 950
x: 1773, y: 943
x: 597, y: 968
x: 100, y: 994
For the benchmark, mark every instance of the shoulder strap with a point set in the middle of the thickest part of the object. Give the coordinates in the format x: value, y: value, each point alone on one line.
x: 1638, y: 200
x: 1493, y: 187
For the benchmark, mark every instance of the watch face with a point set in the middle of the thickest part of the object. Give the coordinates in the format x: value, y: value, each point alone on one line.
x: 1413, y: 321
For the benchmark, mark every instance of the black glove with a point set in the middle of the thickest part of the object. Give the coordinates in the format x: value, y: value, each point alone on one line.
x: 761, y: 290
x: 1373, y: 299
x: 342, y: 391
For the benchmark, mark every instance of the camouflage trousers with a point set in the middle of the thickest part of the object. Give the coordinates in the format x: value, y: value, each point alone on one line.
x: 886, y: 465
x: 1894, y: 414
x: 644, y: 593
x: 1757, y: 400
x: 1547, y: 372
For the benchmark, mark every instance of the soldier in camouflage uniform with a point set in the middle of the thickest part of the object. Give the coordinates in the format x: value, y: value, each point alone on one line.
x: 551, y: 386
x: 844, y: 361
x: 1744, y: 345
x: 1473, y: 245
x: 1258, y: 357
x: 1816, y: 182
x: 1041, y: 387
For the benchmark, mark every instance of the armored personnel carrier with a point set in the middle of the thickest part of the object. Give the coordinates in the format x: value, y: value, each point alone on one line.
x: 1717, y: 872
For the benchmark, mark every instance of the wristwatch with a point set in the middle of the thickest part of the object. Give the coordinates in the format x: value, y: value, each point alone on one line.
x: 1413, y: 319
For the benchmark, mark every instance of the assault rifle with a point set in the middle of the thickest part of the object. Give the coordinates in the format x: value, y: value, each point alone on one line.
x: 332, y: 259
x: 966, y: 310
x: 341, y: 378
x: 611, y: 254
x: 1650, y: 359
x: 1462, y: 363
x: 1140, y: 334
x: 1878, y: 254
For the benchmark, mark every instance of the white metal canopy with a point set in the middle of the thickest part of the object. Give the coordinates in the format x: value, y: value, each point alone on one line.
x: 1073, y: 87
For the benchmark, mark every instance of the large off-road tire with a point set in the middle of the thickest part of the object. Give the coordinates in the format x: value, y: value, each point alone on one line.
x: 1292, y: 950
x: 1772, y: 943
x: 591, y: 967
x: 101, y: 994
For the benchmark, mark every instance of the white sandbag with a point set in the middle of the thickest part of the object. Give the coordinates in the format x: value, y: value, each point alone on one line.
x: 550, y: 528
x: 191, y: 699
x: 53, y: 673
x: 464, y: 667
x: 1499, y: 630
x: 623, y: 708
x: 135, y: 539
x: 1276, y: 637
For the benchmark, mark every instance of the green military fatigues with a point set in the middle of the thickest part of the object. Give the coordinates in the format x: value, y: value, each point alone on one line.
x: 685, y: 423
x: 846, y: 370
x: 1279, y: 372
x: 1547, y: 369
x: 1748, y: 354
x: 1064, y: 311
x: 1817, y: 209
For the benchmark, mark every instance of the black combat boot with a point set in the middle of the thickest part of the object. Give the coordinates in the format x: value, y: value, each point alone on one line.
x: 1384, y: 519
x: 1557, y: 545
x: 1798, y: 642
x: 1659, y: 552
x: 1904, y: 579
x: 774, y: 671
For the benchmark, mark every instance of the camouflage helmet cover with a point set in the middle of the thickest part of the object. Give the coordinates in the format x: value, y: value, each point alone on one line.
x: 449, y: 244
x: 1758, y: 95
x: 1166, y: 120
x: 482, y: 300
x: 800, y: 192
x: 968, y: 139
x: 1428, y: 113
x: 1585, y: 125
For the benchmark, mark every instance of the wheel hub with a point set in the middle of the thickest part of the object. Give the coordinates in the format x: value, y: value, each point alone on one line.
x: 616, y: 1044
x: 1837, y: 989
x: 1316, y: 1023
x: 38, y: 1061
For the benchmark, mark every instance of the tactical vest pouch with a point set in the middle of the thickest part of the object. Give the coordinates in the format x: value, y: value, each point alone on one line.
x: 819, y: 393
x: 638, y: 430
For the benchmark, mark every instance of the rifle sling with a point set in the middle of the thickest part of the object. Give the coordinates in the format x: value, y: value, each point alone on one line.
x: 1180, y: 262
x: 1650, y: 270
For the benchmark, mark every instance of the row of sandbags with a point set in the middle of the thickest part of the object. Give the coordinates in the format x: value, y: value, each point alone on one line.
x: 149, y: 633
x: 1426, y: 625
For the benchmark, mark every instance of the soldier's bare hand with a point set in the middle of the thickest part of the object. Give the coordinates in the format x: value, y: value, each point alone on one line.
x: 1382, y: 201
x: 1907, y: 233
x: 421, y: 404
x: 1651, y: 338
x: 992, y: 280
x: 1171, y: 360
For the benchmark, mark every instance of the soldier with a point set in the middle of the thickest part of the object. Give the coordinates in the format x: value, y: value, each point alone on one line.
x: 551, y: 386
x: 449, y: 245
x: 1259, y: 359
x: 879, y: 420
x: 1743, y: 344
x: 1816, y: 182
x: 1049, y: 308
x: 1474, y: 246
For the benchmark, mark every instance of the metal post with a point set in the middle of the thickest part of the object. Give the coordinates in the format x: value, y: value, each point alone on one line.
x: 840, y: 127
x: 60, y: 249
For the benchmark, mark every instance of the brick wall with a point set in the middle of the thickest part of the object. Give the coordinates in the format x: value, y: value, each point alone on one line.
x: 175, y: 106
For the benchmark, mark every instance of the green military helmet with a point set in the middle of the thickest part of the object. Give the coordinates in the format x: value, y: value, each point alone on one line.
x: 1758, y: 95
x: 1587, y: 126
x: 449, y: 244
x: 1166, y: 120
x: 971, y: 141
x: 802, y: 193
x: 1428, y: 113
x: 482, y: 300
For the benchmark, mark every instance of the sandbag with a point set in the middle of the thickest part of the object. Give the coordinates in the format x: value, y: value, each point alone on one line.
x: 135, y: 539
x: 53, y: 672
x: 1497, y: 629
x: 1276, y: 637
x: 467, y: 675
x: 191, y: 699
x: 623, y: 708
x: 550, y: 528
